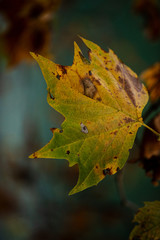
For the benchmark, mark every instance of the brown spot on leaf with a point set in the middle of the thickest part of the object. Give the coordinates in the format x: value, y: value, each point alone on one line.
x: 128, y: 82
x: 53, y: 73
x: 52, y: 150
x: 120, y: 80
x: 115, y: 157
x: 90, y: 73
x: 63, y: 69
x: 96, y: 166
x: 115, y: 132
x: 107, y: 171
x: 89, y: 88
x: 97, y: 81
x: 118, y: 69
x: 68, y: 152
x: 128, y: 120
x: 137, y: 84
x: 53, y: 129
x: 34, y: 155
x: 128, y: 77
x: 117, y: 169
x: 130, y: 132
x: 61, y: 131
x: 58, y: 76
x: 127, y: 88
x: 106, y: 68
x: 99, y: 99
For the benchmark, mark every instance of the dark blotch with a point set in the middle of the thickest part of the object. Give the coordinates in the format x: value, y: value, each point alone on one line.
x: 52, y: 129
x: 115, y: 157
x: 128, y: 120
x: 61, y: 131
x: 130, y: 132
x: 136, y: 83
x: 63, y: 69
x: 51, y: 96
x: 52, y: 150
x: 115, y: 132
x: 118, y: 69
x: 120, y: 80
x: 34, y: 155
x: 58, y: 76
x: 96, y: 166
x: 99, y: 99
x: 117, y: 169
x: 106, y: 68
x: 90, y: 73
x: 129, y: 92
x: 68, y: 152
x: 53, y: 73
x: 97, y: 81
x: 107, y: 171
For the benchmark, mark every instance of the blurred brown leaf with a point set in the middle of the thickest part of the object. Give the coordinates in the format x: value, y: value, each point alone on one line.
x: 150, y: 152
x: 151, y: 77
x: 150, y: 11
x: 29, y: 28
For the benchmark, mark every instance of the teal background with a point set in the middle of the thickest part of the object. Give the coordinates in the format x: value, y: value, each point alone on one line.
x: 34, y: 201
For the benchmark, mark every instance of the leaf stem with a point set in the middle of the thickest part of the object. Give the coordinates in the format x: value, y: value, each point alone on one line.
x: 152, y: 130
x: 120, y: 188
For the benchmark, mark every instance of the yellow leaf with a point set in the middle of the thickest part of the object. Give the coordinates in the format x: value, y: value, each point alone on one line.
x: 102, y: 102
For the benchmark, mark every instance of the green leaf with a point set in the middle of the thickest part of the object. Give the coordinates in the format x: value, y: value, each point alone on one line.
x: 102, y: 102
x: 148, y: 219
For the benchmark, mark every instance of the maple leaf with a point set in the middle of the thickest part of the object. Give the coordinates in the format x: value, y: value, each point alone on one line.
x: 148, y: 218
x: 102, y: 102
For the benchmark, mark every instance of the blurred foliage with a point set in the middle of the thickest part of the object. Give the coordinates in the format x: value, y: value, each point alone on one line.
x: 148, y: 219
x: 151, y: 78
x: 28, y: 28
x: 150, y: 151
x: 150, y: 12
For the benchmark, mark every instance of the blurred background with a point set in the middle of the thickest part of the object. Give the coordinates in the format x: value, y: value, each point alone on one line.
x: 34, y: 201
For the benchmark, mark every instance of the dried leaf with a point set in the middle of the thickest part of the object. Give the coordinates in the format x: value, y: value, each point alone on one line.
x: 150, y: 152
x: 151, y: 78
x: 102, y: 102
